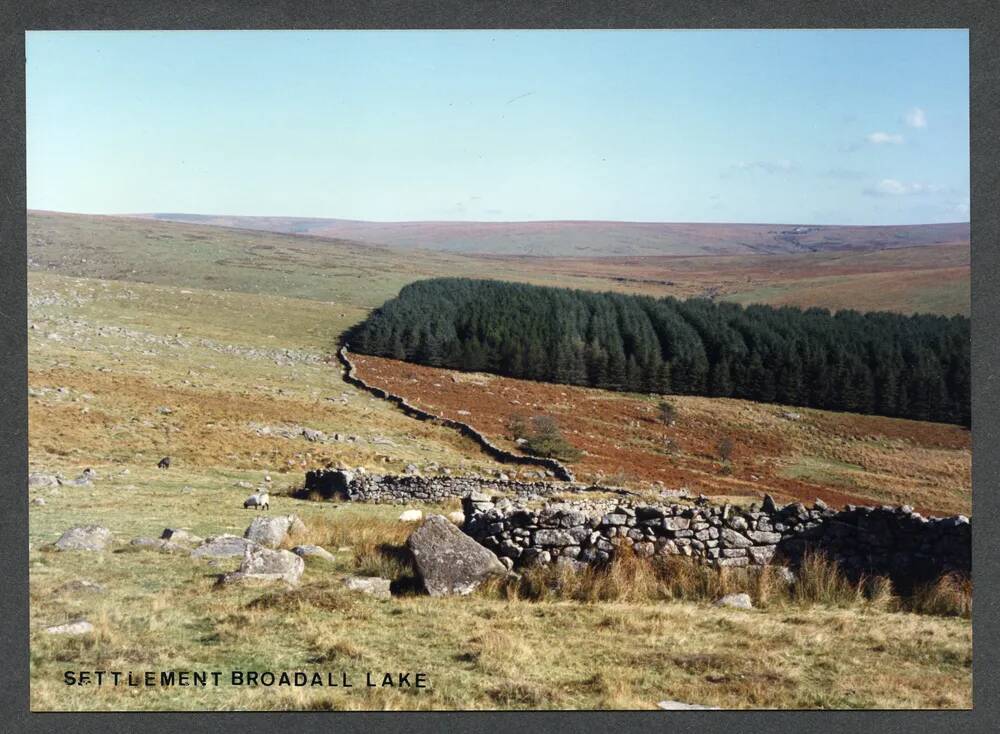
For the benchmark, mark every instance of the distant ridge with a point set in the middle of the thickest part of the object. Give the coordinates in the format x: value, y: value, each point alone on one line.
x: 595, y: 238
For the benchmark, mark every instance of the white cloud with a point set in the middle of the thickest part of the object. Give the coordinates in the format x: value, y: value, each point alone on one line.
x: 880, y: 138
x: 916, y: 117
x: 894, y: 187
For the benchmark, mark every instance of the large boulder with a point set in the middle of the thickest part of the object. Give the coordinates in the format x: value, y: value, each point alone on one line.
x: 266, y: 565
x: 222, y: 546
x: 84, y: 538
x: 271, y: 532
x: 448, y: 560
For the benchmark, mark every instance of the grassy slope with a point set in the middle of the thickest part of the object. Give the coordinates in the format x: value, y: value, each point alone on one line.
x: 931, y: 277
x: 839, y: 457
x: 121, y: 350
x: 596, y: 238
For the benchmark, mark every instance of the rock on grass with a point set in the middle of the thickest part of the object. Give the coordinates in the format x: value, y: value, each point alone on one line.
x: 80, y: 627
x: 272, y: 531
x: 84, y: 538
x: 266, y: 565
x: 371, y: 585
x: 448, y: 560
x: 222, y: 546
x: 736, y: 601
x: 313, y: 551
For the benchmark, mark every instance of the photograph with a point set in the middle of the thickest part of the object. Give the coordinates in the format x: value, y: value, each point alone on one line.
x: 499, y: 370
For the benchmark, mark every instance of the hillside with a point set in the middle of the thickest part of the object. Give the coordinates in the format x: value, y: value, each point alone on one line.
x: 596, y: 238
x: 799, y: 454
x: 925, y: 278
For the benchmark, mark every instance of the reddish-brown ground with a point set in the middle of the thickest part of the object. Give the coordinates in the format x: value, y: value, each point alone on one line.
x: 839, y: 458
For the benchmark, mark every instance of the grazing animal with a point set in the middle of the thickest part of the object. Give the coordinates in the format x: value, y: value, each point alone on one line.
x: 164, y: 463
x: 260, y: 500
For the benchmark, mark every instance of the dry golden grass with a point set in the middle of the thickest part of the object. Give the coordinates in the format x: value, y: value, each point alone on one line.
x: 631, y: 579
x: 951, y: 595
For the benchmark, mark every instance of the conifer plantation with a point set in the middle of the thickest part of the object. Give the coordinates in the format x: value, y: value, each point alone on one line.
x: 883, y: 363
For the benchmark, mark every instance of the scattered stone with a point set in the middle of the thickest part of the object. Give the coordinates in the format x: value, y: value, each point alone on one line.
x: 313, y: 551
x: 164, y: 410
x: 371, y: 585
x: 448, y: 561
x: 80, y: 627
x: 412, y: 469
x: 735, y: 601
x: 412, y: 516
x: 84, y: 538
x: 38, y: 501
x: 176, y: 535
x: 42, y: 480
x: 163, y: 463
x: 271, y: 532
x: 311, y: 434
x: 244, y: 485
x: 85, y: 479
x: 266, y: 565
x: 223, y: 546
x: 158, y: 544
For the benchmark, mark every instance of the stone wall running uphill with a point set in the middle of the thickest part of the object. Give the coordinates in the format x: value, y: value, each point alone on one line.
x: 500, y: 454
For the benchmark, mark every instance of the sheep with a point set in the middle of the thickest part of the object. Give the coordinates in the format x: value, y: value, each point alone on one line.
x: 164, y: 463
x: 258, y: 499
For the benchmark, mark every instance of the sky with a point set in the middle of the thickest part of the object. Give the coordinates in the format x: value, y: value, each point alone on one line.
x: 798, y: 127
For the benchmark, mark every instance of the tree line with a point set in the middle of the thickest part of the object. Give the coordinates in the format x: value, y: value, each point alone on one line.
x: 878, y: 362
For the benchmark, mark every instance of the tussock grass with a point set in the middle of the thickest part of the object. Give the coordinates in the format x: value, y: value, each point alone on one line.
x: 949, y: 596
x: 378, y: 544
x: 819, y: 581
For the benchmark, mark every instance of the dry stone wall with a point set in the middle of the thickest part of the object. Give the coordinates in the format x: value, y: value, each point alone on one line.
x: 895, y: 542
x: 505, y: 516
x: 365, y: 487
x: 559, y: 471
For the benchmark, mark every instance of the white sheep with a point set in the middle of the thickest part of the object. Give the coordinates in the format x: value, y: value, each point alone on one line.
x: 258, y: 499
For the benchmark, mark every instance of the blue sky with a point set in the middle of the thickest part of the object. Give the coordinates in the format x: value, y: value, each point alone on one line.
x: 812, y: 127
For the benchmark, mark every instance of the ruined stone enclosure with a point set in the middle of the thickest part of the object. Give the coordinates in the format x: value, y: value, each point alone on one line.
x: 522, y: 525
